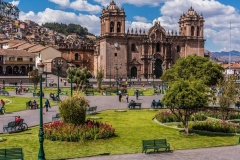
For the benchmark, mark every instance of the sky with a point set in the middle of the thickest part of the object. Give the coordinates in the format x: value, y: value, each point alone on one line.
x: 221, y: 27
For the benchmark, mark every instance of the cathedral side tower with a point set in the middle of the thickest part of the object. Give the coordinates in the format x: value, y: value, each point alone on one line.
x: 191, y: 32
x: 191, y: 24
x: 112, y: 21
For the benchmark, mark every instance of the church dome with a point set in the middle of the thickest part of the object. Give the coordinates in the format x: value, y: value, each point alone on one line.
x: 112, y: 6
x: 191, y: 13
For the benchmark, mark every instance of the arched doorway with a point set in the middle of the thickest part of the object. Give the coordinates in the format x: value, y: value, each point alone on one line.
x: 158, y: 68
x: 9, y: 70
x: 15, y: 70
x: 133, y: 72
x: 23, y: 70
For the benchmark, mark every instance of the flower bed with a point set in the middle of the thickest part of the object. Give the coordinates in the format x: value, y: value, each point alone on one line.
x: 216, y: 126
x: 61, y: 131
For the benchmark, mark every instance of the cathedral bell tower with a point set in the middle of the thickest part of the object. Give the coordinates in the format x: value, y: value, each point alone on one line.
x: 191, y: 24
x: 112, y: 21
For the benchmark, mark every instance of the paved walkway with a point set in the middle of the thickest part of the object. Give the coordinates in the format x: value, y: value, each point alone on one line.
x: 111, y: 102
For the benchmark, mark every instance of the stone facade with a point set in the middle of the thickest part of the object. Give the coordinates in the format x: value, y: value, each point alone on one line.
x: 140, y: 54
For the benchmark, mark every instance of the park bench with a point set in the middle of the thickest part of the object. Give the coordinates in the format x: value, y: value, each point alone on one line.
x: 29, y: 105
x: 54, y: 98
x: 155, y: 144
x: 87, y: 93
x: 108, y: 93
x: 63, y: 92
x: 91, y: 110
x: 56, y: 117
x: 38, y: 94
x: 11, y: 153
x: 133, y: 105
x: 154, y: 105
x: 13, y: 126
x: 31, y: 90
x: 4, y: 92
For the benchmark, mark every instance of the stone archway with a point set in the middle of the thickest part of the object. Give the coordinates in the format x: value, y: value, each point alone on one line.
x: 133, y: 72
x: 158, y: 68
x: 23, y: 70
x: 15, y: 70
x: 9, y: 70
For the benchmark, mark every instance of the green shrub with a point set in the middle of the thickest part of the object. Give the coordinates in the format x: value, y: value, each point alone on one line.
x: 73, y: 109
x: 166, y: 116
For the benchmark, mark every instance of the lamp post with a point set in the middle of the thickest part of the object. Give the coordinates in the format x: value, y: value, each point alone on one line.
x: 153, y: 70
x: 117, y: 67
x: 46, y: 80
x: 41, y: 154
x: 58, y: 64
x: 71, y: 67
x: 110, y: 78
x: 162, y: 87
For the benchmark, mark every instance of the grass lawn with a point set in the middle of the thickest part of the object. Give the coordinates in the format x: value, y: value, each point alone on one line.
x: 131, y: 128
x: 15, y: 104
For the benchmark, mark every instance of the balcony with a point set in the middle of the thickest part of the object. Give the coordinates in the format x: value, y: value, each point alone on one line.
x: 19, y: 62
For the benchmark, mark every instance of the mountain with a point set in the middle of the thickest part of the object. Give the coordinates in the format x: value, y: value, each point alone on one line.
x: 224, y: 56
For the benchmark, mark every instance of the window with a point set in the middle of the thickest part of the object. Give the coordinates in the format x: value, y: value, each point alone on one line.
x: 76, y: 56
x: 192, y: 31
x: 133, y: 48
x: 115, y: 54
x: 178, y: 49
x: 112, y: 27
x: 158, y: 48
x: 11, y: 58
x: 30, y: 59
x: 118, y: 27
x: 20, y: 59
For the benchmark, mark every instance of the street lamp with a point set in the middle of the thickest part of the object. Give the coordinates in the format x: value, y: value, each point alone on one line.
x: 41, y: 154
x: 153, y: 70
x: 58, y: 64
x: 71, y: 68
x: 117, y: 67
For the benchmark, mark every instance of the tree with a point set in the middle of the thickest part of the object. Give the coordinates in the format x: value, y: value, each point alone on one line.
x: 80, y: 76
x: 34, y: 75
x: 194, y: 67
x: 188, y: 80
x: 73, y: 109
x: 227, y: 96
x: 185, y: 98
x: 100, y: 77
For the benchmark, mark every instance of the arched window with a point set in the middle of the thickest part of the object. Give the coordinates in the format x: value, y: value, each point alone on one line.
x: 192, y: 31
x: 118, y: 27
x: 133, y: 48
x: 158, y: 47
x: 76, y: 56
x: 198, y: 34
x: 111, y: 26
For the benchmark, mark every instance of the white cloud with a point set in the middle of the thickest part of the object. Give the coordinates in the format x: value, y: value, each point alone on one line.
x: 62, y: 3
x: 88, y: 21
x: 140, y: 19
x: 133, y: 2
x: 15, y: 3
x: 79, y: 5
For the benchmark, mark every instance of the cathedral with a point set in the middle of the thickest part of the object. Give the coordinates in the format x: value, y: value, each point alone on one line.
x: 138, y: 54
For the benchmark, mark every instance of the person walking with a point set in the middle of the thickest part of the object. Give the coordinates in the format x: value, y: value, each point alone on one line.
x: 137, y: 94
x: 120, y: 97
x: 47, y: 104
x: 127, y: 98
